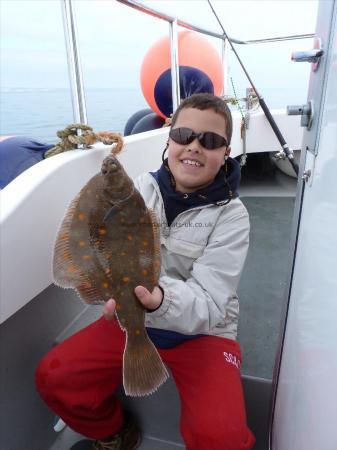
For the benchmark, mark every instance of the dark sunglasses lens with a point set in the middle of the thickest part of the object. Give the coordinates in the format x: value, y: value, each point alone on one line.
x: 182, y: 136
x: 212, y: 140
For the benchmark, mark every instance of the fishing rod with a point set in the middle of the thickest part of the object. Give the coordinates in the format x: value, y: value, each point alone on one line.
x: 285, y: 147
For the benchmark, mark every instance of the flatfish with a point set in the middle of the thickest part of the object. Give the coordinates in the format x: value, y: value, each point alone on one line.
x: 108, y: 244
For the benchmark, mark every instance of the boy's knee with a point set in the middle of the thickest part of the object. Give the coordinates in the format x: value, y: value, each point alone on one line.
x: 47, y: 377
x: 215, y: 436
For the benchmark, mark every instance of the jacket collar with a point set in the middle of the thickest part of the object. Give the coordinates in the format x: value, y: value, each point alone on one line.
x: 220, y: 191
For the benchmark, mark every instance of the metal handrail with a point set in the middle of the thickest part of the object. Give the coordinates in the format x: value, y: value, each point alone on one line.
x: 74, y: 63
x: 160, y: 15
x: 175, y: 87
x: 280, y: 38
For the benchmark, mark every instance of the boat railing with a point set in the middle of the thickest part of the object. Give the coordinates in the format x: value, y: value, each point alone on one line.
x: 73, y: 52
x: 74, y: 63
x: 160, y: 15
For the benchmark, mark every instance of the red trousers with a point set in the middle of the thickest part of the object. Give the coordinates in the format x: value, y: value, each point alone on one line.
x: 77, y: 379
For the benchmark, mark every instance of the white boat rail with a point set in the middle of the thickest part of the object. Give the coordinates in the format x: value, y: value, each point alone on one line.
x: 73, y: 52
x: 160, y: 15
x: 74, y: 63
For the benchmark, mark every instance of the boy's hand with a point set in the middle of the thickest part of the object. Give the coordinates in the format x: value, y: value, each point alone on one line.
x: 151, y: 301
x: 109, y: 309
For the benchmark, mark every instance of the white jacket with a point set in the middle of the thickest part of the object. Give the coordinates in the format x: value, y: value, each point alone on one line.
x: 202, y: 256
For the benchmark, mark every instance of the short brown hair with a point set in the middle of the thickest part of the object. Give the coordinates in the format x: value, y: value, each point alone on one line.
x: 207, y: 101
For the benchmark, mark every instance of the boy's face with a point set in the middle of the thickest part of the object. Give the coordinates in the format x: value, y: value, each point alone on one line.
x: 181, y: 158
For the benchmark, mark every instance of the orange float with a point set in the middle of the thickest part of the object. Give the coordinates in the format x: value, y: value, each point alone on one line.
x: 200, y: 70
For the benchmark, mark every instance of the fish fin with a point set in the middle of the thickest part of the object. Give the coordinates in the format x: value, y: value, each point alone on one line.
x: 65, y: 272
x: 71, y: 264
x: 143, y: 369
x: 156, y: 239
x: 89, y: 293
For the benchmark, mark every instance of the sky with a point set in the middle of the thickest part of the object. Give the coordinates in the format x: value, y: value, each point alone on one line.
x: 114, y: 38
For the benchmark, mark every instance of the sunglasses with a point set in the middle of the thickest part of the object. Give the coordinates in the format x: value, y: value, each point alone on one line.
x: 207, y: 139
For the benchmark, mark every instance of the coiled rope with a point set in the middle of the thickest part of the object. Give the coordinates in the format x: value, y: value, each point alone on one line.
x: 70, y: 139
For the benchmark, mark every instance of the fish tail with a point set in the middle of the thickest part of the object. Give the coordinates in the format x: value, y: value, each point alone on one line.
x: 143, y: 369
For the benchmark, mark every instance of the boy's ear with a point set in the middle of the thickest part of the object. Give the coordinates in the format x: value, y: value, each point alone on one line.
x: 228, y: 151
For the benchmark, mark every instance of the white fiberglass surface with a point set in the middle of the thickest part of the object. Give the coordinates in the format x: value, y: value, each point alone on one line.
x: 33, y: 205
x: 306, y: 406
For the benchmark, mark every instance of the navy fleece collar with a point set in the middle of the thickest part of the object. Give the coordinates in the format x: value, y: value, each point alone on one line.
x: 176, y: 202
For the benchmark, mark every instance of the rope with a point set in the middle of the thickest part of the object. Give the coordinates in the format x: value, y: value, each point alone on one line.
x: 168, y: 121
x: 70, y: 139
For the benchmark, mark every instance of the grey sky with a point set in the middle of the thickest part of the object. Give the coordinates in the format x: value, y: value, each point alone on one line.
x: 114, y: 38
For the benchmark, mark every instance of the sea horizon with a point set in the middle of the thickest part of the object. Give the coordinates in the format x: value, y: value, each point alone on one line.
x: 39, y: 112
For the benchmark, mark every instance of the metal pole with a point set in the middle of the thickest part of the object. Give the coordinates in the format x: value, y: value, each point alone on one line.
x: 174, y: 65
x: 285, y: 147
x: 74, y: 63
x: 224, y: 60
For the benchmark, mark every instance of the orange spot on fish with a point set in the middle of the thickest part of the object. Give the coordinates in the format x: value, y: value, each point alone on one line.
x: 102, y: 231
x: 145, y: 272
x: 86, y: 285
x: 72, y: 268
x: 81, y: 244
x: 118, y: 307
x: 145, y: 243
x: 105, y: 285
x: 130, y: 237
x: 86, y: 257
x: 81, y: 216
x: 126, y: 279
x: 137, y: 332
x: 123, y: 253
x: 64, y: 237
x: 107, y: 271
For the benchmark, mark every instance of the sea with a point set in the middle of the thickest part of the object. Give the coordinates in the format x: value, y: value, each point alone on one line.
x: 39, y: 113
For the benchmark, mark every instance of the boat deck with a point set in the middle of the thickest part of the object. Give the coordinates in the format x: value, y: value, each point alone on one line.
x: 270, y: 204
x: 45, y: 321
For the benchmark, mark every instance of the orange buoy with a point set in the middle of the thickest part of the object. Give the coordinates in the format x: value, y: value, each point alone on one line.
x: 200, y: 70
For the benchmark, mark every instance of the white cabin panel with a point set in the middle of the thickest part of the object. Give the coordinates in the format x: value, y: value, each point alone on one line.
x: 306, y: 402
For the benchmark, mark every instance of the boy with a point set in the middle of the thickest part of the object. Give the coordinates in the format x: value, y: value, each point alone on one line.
x: 191, y: 316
